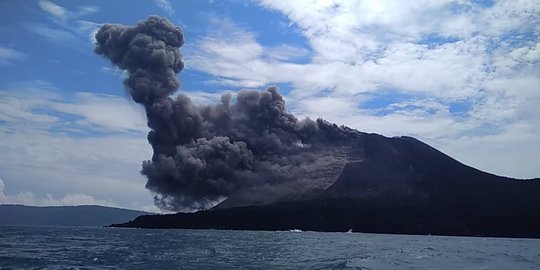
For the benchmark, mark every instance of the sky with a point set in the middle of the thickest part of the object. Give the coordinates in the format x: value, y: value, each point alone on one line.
x: 462, y: 76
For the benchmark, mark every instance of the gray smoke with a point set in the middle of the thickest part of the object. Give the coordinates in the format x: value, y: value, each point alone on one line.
x: 252, y: 148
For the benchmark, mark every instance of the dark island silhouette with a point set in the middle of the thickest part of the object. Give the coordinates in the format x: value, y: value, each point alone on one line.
x: 81, y: 215
x: 398, y: 185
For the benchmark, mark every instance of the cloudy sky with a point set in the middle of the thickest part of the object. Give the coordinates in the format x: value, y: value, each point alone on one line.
x: 460, y: 75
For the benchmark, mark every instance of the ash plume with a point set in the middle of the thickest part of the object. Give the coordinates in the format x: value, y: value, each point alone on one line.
x: 251, y: 149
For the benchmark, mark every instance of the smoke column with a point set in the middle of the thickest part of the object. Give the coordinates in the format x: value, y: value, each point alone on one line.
x: 251, y: 148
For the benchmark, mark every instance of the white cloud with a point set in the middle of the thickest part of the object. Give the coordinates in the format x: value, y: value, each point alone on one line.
x: 165, y: 5
x: 432, y: 55
x: 84, y: 10
x: 90, y: 28
x: 285, y: 52
x: 53, y: 9
x: 92, y: 164
x: 66, y: 28
x: 45, y: 109
x: 61, y: 37
x: 205, y: 98
x: 61, y: 13
x: 114, y: 70
x: 87, y: 144
x: 28, y: 198
x: 8, y: 55
x: 511, y: 152
x: 17, y: 107
x: 105, y: 111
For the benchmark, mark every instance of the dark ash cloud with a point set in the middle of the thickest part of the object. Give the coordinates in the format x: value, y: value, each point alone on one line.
x: 251, y: 150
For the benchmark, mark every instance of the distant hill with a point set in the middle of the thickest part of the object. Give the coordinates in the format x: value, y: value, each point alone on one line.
x: 84, y: 215
x: 396, y: 185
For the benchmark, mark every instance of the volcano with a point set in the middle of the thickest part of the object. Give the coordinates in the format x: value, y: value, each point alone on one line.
x: 267, y: 169
x: 382, y: 185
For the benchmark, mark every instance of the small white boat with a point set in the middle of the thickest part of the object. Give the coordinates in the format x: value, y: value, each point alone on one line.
x: 295, y: 230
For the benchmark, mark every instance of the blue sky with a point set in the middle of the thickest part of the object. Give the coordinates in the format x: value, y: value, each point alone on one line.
x: 459, y: 75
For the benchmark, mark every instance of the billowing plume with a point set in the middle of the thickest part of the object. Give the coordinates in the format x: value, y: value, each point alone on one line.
x: 251, y: 148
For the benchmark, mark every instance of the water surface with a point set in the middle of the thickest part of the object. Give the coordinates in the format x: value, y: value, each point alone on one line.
x: 108, y: 248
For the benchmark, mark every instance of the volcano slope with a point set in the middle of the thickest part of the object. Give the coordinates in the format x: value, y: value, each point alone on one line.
x: 270, y: 170
x: 384, y: 185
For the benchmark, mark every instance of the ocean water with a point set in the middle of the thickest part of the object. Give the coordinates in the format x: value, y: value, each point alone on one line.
x: 107, y: 248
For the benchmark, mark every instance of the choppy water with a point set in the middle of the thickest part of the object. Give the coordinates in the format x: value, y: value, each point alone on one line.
x: 102, y: 248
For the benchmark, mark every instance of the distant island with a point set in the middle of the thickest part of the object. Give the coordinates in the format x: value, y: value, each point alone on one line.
x: 401, y: 185
x: 83, y: 215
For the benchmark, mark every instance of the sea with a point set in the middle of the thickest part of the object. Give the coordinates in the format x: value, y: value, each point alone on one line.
x: 113, y: 248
